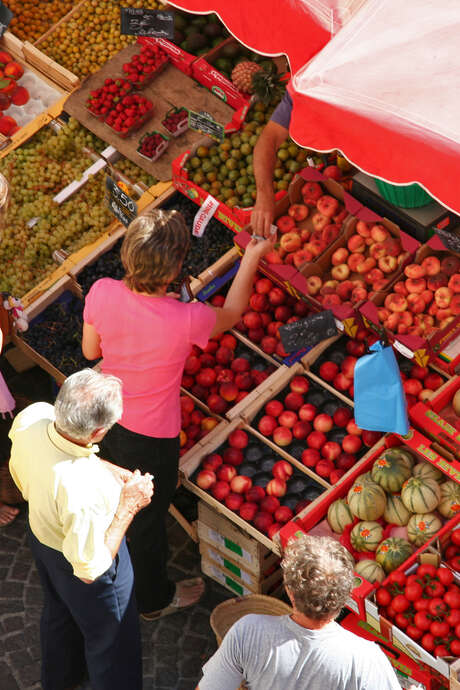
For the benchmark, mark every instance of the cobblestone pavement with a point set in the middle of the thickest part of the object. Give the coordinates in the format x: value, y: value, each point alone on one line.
x: 174, y: 648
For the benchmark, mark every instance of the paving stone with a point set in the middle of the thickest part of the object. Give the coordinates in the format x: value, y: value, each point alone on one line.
x: 33, y: 595
x: 29, y: 674
x: 20, y: 572
x: 165, y: 676
x: 12, y: 623
x: 7, y: 682
x: 18, y: 658
x: 14, y: 641
x: 10, y: 590
x: 190, y: 666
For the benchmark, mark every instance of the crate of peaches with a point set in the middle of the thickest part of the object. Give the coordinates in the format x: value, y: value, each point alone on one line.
x: 365, y: 264
x: 336, y: 365
x: 239, y: 475
x: 418, y: 605
x: 422, y: 310
x: 309, y: 424
x: 224, y: 372
x: 196, y: 422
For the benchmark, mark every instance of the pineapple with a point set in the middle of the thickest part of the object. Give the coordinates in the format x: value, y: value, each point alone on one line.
x: 250, y: 77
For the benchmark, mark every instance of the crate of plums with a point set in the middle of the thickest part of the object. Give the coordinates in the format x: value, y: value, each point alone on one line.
x: 53, y: 338
x: 241, y: 477
x: 309, y: 424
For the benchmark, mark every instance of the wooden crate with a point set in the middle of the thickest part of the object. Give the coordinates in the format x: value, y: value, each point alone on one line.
x: 234, y: 542
x: 257, y: 585
x: 216, y: 573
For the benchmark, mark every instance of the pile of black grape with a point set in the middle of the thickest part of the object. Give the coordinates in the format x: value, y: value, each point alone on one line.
x: 204, y: 251
x: 56, y: 334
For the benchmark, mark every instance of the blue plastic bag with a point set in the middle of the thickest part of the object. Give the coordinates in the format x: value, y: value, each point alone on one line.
x: 380, y: 402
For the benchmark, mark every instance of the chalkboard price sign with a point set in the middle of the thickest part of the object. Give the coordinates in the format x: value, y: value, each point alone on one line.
x: 449, y: 239
x: 6, y: 16
x: 308, y: 332
x: 204, y: 123
x: 143, y: 22
x: 121, y: 205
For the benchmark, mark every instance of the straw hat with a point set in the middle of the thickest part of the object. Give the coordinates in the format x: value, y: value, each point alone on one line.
x: 227, y: 613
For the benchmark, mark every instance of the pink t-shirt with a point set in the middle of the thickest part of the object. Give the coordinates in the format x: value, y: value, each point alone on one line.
x: 145, y: 341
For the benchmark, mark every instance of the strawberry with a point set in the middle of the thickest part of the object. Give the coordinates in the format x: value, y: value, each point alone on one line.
x: 13, y: 70
x: 7, y: 86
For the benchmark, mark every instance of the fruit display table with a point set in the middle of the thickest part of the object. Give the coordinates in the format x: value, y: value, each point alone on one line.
x: 169, y: 88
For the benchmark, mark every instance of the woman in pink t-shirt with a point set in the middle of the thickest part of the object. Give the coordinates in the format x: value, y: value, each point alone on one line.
x: 144, y: 336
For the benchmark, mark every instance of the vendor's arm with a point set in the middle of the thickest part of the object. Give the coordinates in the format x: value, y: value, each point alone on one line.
x: 91, y: 342
x: 238, y: 296
x: 264, y: 162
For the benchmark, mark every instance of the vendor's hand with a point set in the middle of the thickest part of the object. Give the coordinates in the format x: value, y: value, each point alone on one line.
x: 256, y: 249
x: 262, y: 215
x: 137, y: 492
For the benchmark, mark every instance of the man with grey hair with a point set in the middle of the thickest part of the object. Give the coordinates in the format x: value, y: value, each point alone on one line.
x: 306, y: 649
x: 79, y: 510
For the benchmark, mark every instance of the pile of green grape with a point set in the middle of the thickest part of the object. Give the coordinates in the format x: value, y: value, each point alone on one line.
x: 36, y: 172
x: 134, y: 173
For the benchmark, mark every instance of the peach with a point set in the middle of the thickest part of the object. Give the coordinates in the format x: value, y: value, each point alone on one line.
x: 327, y: 205
x: 285, y: 224
x: 442, y: 314
x: 427, y: 296
x: 392, y: 322
x: 379, y: 233
x: 311, y: 192
x: 455, y: 304
x: 383, y: 313
x: 356, y: 244
x: 345, y: 289
x: 340, y: 272
x: 380, y: 284
x: 450, y: 265
x: 432, y: 265
x: 305, y: 234
x: 273, y: 257
x: 445, y: 322
x: 454, y: 282
x: 433, y: 309
x: 330, y: 301
x: 377, y: 250
x: 393, y: 247
x: 373, y: 275
x: 437, y: 281
x: 417, y: 285
x: 415, y: 303
x: 314, y: 284
x: 395, y: 302
x: 387, y: 264
x: 330, y: 233
x: 319, y: 220
x: 329, y: 287
x: 402, y: 329
x: 367, y: 265
x: 443, y: 296
x: 316, y: 247
x: 298, y: 211
x: 363, y: 229
x: 291, y: 241
x: 354, y: 260
x: 301, y: 257
x: 406, y: 318
x: 400, y: 288
x: 358, y: 294
x: 339, y: 256
x: 414, y: 271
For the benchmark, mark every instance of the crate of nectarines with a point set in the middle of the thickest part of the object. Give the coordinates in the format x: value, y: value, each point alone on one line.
x: 238, y: 474
x: 310, y: 424
x: 422, y: 310
x: 197, y: 421
x: 366, y: 262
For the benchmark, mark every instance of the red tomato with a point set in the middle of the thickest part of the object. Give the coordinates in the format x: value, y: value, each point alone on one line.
x: 457, y: 631
x: 400, y: 603
x: 451, y: 552
x: 401, y: 621
x: 453, y: 618
x: 383, y: 596
x: 434, y: 588
x: 452, y: 598
x: 413, y: 591
x: 439, y: 628
x: 455, y: 646
x: 397, y: 578
x: 437, y: 607
x: 428, y: 642
x: 426, y: 569
x: 422, y: 621
x: 391, y: 613
x: 455, y: 563
x: 441, y: 650
x: 421, y: 604
x: 414, y: 632
x: 445, y: 576
x: 455, y: 537
x: 411, y: 578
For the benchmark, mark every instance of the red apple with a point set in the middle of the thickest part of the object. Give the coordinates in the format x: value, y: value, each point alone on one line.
x: 262, y: 521
x: 255, y: 494
x: 287, y: 418
x: 300, y: 430
x: 276, y: 296
x: 324, y: 468
x: 283, y: 514
x: 316, y: 439
x: 226, y: 473
x: 299, y: 384
x: 293, y: 401
x: 328, y: 370
x: 269, y: 504
x: 233, y: 456
x: 331, y: 450
x: 276, y: 487
x: 267, y: 425
x: 212, y: 462
x: 282, y: 470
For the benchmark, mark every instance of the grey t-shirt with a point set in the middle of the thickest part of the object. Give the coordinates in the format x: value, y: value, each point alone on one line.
x: 274, y: 653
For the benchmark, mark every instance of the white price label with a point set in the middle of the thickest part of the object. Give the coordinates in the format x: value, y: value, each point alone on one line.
x: 403, y: 349
x: 204, y: 215
x: 339, y: 325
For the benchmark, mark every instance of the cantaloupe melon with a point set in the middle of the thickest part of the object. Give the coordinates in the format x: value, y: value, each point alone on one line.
x: 392, y: 552
x: 390, y: 471
x: 449, y: 503
x: 370, y: 570
x: 401, y: 453
x: 366, y: 535
x: 396, y: 512
x: 423, y: 526
x: 339, y: 515
x: 421, y: 495
x: 426, y: 469
x: 366, y: 500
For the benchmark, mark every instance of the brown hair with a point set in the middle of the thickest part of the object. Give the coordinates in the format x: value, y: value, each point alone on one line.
x: 153, y: 250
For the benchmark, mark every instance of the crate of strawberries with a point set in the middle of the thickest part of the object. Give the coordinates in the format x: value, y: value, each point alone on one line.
x: 146, y: 65
x: 103, y: 100
x: 129, y: 114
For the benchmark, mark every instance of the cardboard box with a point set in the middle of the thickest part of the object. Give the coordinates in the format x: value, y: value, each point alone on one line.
x: 407, y: 670
x: 232, y: 583
x: 257, y: 585
x: 429, y: 553
x: 205, y: 73
x: 235, y: 543
x: 438, y: 420
x: 422, y: 349
x: 179, y: 58
x: 431, y: 450
x: 217, y: 438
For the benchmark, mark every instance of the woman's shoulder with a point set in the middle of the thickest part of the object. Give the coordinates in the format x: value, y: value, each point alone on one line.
x: 104, y: 285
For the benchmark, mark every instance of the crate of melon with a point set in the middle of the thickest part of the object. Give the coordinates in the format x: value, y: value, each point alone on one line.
x: 417, y: 607
x: 382, y: 510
